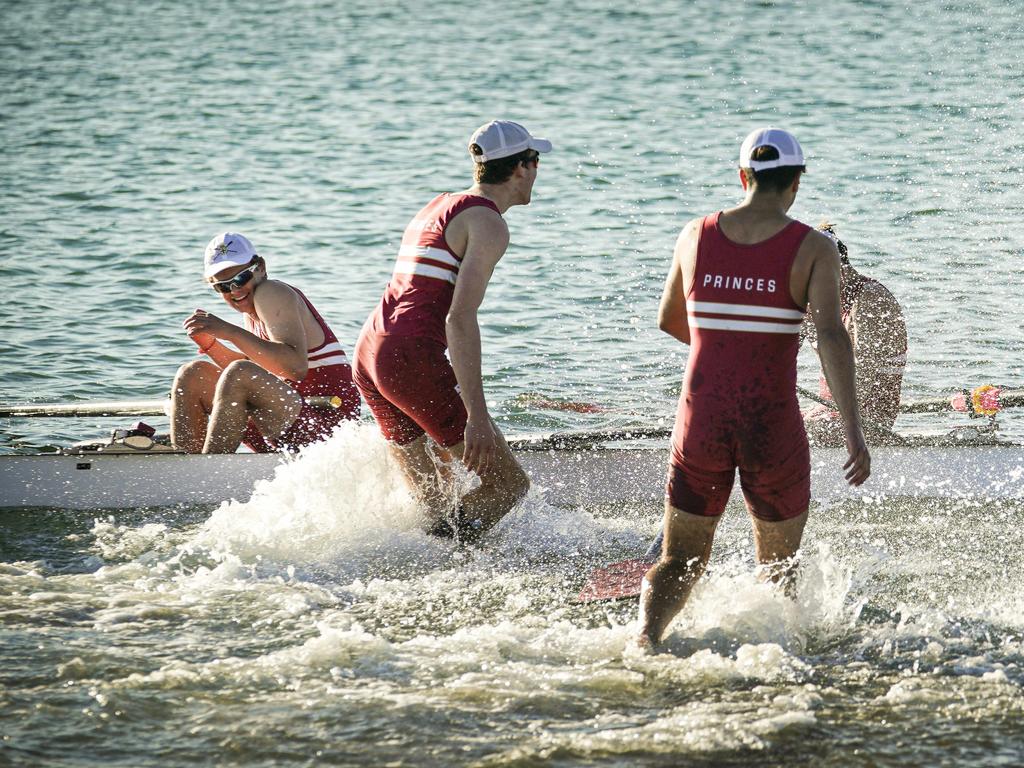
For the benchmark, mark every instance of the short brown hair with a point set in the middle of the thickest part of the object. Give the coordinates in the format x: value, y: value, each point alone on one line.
x: 775, y: 179
x: 500, y: 170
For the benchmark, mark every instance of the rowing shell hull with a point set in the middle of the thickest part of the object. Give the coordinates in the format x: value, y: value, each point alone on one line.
x: 570, y: 477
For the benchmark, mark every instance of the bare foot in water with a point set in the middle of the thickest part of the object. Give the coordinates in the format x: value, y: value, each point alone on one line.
x: 644, y: 645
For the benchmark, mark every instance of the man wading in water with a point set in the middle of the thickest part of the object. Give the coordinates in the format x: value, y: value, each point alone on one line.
x: 448, y: 253
x: 736, y: 292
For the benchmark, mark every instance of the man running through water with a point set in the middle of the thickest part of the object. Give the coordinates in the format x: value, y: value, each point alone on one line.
x: 736, y: 292
x: 285, y: 354
x: 873, y: 318
x: 448, y: 254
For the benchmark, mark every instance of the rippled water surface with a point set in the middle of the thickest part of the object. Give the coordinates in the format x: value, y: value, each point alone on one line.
x: 314, y: 624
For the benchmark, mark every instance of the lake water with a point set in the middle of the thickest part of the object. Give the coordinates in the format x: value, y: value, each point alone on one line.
x: 314, y: 624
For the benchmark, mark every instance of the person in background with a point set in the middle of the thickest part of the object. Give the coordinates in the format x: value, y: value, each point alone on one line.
x: 874, y: 320
x: 429, y: 410
x: 737, y: 291
x: 256, y: 394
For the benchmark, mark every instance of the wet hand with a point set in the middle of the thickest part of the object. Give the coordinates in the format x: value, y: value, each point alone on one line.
x: 204, y: 328
x: 857, y: 468
x: 481, y: 444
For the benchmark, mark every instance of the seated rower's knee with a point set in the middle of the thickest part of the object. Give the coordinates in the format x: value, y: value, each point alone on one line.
x: 238, y: 374
x: 194, y: 372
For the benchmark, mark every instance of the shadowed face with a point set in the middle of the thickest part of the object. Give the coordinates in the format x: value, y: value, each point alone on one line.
x: 530, y: 166
x: 236, y: 285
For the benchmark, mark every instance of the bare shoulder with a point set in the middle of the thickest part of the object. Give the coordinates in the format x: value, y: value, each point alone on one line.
x: 818, y: 246
x: 815, y: 249
x: 689, y: 237
x: 275, y: 296
x: 483, y: 220
x: 691, y: 230
x: 814, y: 276
x: 481, y: 225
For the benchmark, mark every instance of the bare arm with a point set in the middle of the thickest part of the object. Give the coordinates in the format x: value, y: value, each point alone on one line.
x: 486, y: 240
x: 672, y: 317
x: 835, y: 349
x: 209, y: 345
x: 278, y: 308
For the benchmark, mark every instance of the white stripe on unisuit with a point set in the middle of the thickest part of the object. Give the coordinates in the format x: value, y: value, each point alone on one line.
x: 424, y: 270
x: 743, y: 309
x: 426, y: 252
x: 332, y: 360
x: 757, y: 326
x: 334, y: 346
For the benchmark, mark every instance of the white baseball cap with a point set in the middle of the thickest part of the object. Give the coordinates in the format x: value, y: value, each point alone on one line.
x: 503, y: 138
x: 228, y: 249
x: 785, y: 143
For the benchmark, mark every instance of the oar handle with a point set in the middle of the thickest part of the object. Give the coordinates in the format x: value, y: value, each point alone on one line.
x: 112, y: 408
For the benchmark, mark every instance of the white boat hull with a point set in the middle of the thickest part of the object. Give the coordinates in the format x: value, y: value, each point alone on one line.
x: 570, y: 477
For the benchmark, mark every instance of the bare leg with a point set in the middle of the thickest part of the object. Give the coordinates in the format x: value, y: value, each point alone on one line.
x: 421, y: 473
x: 246, y: 390
x: 684, y: 556
x: 502, y: 485
x: 776, y: 545
x: 191, y: 403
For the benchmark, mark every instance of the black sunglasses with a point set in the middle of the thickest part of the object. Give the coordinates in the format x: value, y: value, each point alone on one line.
x: 239, y: 280
x: 531, y: 159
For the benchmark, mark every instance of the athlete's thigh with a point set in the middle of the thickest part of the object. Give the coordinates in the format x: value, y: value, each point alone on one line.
x: 775, y: 467
x: 414, y: 458
x: 396, y: 427
x: 696, y: 490
x: 781, y: 490
x: 414, y: 375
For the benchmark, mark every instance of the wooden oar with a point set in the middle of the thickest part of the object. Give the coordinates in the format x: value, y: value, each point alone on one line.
x: 113, y: 408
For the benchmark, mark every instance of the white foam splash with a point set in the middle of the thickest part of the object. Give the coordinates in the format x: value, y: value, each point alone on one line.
x: 337, y: 497
x: 731, y: 607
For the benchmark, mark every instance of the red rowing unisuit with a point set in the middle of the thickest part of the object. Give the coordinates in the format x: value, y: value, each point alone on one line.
x: 419, y: 294
x: 401, y: 369
x: 738, y: 406
x: 329, y: 375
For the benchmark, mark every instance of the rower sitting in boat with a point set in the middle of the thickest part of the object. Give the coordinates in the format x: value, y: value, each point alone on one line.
x: 286, y: 353
x: 873, y: 318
